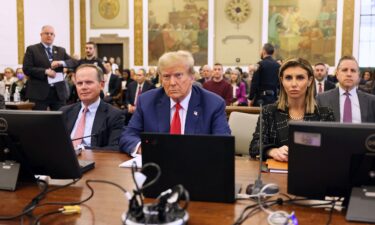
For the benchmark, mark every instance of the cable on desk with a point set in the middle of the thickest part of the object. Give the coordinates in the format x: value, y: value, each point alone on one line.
x: 33, y: 203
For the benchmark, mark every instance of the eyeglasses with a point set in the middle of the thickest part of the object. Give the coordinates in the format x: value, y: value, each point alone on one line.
x: 167, y: 77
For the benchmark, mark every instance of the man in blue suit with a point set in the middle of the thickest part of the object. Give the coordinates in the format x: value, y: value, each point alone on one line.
x: 198, y: 111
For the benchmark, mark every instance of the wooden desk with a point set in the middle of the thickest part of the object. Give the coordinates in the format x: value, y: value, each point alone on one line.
x: 19, y: 105
x: 243, y: 109
x: 109, y: 203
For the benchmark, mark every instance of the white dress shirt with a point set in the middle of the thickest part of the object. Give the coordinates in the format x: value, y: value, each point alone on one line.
x: 317, y: 85
x: 90, y: 116
x: 356, y: 111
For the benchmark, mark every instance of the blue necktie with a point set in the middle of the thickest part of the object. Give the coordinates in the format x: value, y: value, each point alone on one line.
x: 49, y: 53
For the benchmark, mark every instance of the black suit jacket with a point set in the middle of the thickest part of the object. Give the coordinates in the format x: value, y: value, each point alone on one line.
x: 35, y: 62
x: 114, y: 86
x: 2, y: 102
x: 265, y: 78
x: 132, y: 90
x: 108, y: 124
x: 328, y: 85
x: 276, y: 127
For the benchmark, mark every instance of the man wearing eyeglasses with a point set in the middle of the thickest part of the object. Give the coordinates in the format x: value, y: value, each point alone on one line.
x: 179, y: 107
x: 44, y: 63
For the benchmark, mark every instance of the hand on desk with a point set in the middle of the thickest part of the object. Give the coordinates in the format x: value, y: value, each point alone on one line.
x: 279, y: 154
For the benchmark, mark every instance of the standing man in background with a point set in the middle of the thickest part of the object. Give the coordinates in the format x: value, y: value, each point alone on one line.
x: 112, y: 85
x: 90, y: 50
x: 44, y: 63
x: 265, y: 82
x: 321, y: 82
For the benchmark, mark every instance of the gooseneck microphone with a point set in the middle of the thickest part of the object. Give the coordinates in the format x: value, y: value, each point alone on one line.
x: 92, y: 135
x: 256, y: 188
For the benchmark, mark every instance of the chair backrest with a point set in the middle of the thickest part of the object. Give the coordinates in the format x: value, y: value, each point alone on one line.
x: 243, y: 126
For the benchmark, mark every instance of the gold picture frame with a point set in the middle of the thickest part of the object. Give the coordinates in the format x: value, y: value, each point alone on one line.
x: 109, y: 14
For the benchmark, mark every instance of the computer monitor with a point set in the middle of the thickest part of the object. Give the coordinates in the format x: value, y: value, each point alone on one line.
x: 328, y: 158
x: 39, y: 141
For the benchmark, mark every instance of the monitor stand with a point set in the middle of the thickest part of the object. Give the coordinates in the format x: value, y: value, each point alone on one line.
x: 9, y: 171
x: 362, y: 204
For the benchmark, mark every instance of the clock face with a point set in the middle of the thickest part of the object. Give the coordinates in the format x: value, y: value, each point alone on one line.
x: 238, y: 11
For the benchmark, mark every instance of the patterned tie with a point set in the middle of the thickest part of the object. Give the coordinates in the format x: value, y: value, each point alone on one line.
x: 320, y: 87
x: 176, y: 122
x: 347, y: 117
x: 49, y: 53
x: 80, y: 130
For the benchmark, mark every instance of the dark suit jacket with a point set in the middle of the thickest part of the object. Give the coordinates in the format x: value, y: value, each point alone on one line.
x: 206, y: 115
x: 328, y: 85
x: 366, y: 104
x: 35, y: 62
x: 2, y: 102
x: 132, y: 90
x: 108, y: 124
x: 114, y: 86
x: 265, y: 78
x: 276, y: 127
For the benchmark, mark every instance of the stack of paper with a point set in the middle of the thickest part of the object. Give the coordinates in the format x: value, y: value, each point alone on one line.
x: 276, y: 166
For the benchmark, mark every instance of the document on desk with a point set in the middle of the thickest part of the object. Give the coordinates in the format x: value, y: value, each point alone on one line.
x: 59, y: 77
x: 276, y: 166
x: 128, y: 164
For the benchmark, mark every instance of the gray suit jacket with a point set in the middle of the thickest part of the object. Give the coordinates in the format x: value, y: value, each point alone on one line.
x: 366, y: 103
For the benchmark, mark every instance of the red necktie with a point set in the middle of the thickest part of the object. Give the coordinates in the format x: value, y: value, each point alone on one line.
x: 80, y: 130
x: 176, y: 122
x: 320, y: 87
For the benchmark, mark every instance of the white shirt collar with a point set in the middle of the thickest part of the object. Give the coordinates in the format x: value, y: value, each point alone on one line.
x: 352, y: 92
x: 93, y: 107
x: 184, y: 103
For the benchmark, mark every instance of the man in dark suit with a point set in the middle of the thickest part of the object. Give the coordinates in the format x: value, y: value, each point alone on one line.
x: 348, y: 103
x: 92, y: 117
x: 43, y: 63
x: 265, y: 82
x: 179, y: 107
x: 112, y: 84
x: 321, y: 82
x: 135, y: 89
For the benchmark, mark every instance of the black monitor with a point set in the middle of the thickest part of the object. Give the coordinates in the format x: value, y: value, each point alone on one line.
x: 328, y: 158
x: 39, y: 141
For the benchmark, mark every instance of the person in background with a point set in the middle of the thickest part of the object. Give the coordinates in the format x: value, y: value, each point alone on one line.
x: 20, y: 84
x: 112, y: 84
x: 43, y: 63
x: 239, y: 89
x: 2, y: 102
x: 321, y: 83
x: 206, y: 74
x: 218, y: 85
x: 349, y: 104
x: 179, y: 107
x: 296, y: 103
x: 90, y: 58
x: 9, y: 77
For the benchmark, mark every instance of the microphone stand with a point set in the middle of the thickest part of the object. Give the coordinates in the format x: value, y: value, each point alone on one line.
x: 254, y: 189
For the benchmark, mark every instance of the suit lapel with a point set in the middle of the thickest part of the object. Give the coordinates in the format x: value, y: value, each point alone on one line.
x: 193, y: 113
x: 99, y: 119
x: 163, y: 114
x: 335, y: 103
x: 74, y: 115
x: 43, y: 53
x: 363, y: 106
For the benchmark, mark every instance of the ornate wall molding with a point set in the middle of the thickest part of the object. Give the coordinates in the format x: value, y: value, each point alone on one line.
x: 115, y: 39
x: 82, y: 12
x: 138, y: 32
x: 20, y: 31
x: 347, y: 28
x: 71, y: 26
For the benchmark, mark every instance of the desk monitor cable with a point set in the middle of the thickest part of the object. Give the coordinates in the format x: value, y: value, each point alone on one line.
x: 166, y: 210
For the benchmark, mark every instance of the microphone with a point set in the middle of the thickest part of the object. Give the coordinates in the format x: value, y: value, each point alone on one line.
x: 92, y: 135
x: 258, y: 186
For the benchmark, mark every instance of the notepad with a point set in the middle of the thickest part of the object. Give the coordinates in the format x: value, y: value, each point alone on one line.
x: 129, y: 163
x: 276, y: 166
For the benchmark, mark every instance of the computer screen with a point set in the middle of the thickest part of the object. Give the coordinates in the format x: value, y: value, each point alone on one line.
x: 39, y: 141
x: 328, y: 158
